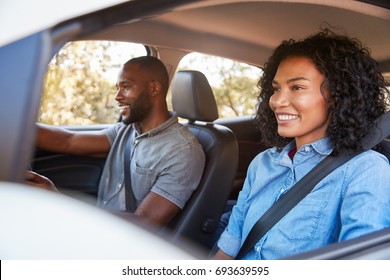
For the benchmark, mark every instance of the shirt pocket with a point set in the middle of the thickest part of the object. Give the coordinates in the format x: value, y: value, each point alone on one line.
x: 303, y: 221
x: 141, y: 180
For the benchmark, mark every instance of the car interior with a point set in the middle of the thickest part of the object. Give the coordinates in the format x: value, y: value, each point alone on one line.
x: 245, y: 31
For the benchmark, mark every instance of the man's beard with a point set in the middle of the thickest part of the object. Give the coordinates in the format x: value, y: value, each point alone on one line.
x: 139, y: 110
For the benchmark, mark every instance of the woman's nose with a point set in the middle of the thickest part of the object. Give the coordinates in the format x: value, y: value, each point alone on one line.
x: 278, y: 100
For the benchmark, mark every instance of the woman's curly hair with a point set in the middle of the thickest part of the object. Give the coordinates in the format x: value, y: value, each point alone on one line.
x: 357, y: 90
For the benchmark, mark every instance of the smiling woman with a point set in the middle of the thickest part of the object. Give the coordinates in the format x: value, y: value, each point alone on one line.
x: 298, y: 101
x: 307, y: 92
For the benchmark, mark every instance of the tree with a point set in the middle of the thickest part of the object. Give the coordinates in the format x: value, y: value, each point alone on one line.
x: 237, y: 94
x: 234, y: 84
x: 77, y: 89
x: 80, y: 82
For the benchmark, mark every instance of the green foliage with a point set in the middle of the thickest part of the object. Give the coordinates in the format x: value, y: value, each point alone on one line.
x: 234, y: 84
x: 77, y: 89
x: 80, y: 83
x: 237, y: 94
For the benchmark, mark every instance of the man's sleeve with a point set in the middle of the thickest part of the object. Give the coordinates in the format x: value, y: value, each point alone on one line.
x: 181, y: 175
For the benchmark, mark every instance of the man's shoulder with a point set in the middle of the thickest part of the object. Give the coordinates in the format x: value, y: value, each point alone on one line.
x: 117, y: 131
x: 185, y: 133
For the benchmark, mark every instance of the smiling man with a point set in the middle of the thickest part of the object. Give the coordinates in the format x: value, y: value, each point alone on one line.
x: 166, y: 160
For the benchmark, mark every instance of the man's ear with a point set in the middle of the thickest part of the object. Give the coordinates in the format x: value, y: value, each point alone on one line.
x: 155, y: 88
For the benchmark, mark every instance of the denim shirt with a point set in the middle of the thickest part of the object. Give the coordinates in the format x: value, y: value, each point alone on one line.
x: 351, y: 201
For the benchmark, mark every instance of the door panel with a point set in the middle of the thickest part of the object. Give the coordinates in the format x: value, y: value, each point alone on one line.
x: 73, y: 175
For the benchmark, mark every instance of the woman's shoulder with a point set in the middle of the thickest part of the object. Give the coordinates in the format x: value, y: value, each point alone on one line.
x: 369, y: 163
x: 371, y: 157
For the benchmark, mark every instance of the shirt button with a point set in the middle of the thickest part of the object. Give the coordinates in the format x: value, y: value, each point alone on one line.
x: 282, y: 191
x: 307, y: 149
x: 105, y: 202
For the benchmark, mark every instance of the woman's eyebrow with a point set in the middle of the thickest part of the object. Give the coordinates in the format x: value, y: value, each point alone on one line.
x: 297, y: 79
x: 274, y: 82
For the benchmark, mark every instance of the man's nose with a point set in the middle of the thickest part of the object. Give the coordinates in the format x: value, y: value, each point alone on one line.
x: 118, y: 94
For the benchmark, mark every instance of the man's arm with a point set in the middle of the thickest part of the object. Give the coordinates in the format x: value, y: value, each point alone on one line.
x: 156, y: 210
x: 60, y: 140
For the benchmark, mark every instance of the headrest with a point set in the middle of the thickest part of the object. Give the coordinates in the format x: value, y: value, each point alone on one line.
x: 192, y: 97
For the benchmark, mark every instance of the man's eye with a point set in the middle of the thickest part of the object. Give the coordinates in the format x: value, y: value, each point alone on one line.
x: 127, y: 86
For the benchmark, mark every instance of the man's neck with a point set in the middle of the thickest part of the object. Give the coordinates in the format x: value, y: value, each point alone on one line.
x: 151, y: 123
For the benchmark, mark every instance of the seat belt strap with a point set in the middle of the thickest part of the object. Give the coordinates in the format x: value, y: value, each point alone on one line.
x: 129, y: 194
x: 291, y: 198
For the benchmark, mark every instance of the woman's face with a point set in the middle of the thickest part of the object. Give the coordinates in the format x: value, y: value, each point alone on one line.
x: 299, y: 105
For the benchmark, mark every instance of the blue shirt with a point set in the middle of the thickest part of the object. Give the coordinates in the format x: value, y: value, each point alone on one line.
x: 351, y: 201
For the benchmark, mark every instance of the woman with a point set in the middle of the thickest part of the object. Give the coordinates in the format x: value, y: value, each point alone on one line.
x: 317, y: 96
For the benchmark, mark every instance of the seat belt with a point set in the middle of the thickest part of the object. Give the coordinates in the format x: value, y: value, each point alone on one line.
x: 291, y: 198
x: 129, y: 194
x: 295, y: 194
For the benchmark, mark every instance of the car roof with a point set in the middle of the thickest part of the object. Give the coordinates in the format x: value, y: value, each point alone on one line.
x: 252, y: 29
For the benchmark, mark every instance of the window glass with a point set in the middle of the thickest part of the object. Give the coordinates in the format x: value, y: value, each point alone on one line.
x: 234, y: 83
x: 80, y: 82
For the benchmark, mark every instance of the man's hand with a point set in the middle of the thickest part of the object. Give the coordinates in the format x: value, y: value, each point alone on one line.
x: 39, y: 181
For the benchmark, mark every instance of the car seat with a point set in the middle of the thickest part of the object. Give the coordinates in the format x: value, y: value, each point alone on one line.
x: 193, y: 100
x: 384, y: 148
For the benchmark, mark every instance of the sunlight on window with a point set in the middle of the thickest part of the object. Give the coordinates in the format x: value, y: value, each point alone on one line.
x: 234, y: 83
x: 80, y: 82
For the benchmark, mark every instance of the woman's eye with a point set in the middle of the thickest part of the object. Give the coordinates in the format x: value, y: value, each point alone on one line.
x: 296, y: 87
x: 275, y: 89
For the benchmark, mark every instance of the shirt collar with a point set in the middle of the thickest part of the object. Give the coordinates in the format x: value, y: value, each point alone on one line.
x: 171, y: 121
x: 322, y: 146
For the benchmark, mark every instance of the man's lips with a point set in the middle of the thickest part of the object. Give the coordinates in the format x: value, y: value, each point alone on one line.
x: 124, y: 108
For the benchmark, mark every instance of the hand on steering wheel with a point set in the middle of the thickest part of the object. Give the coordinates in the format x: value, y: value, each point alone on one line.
x: 36, y: 180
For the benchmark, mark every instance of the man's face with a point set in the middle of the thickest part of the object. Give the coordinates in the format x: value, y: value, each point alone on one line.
x: 132, y: 94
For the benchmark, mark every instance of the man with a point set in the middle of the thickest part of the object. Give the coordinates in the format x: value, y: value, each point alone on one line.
x: 166, y: 159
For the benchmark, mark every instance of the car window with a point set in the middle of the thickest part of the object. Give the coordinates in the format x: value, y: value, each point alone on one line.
x: 79, y: 88
x: 234, y: 83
